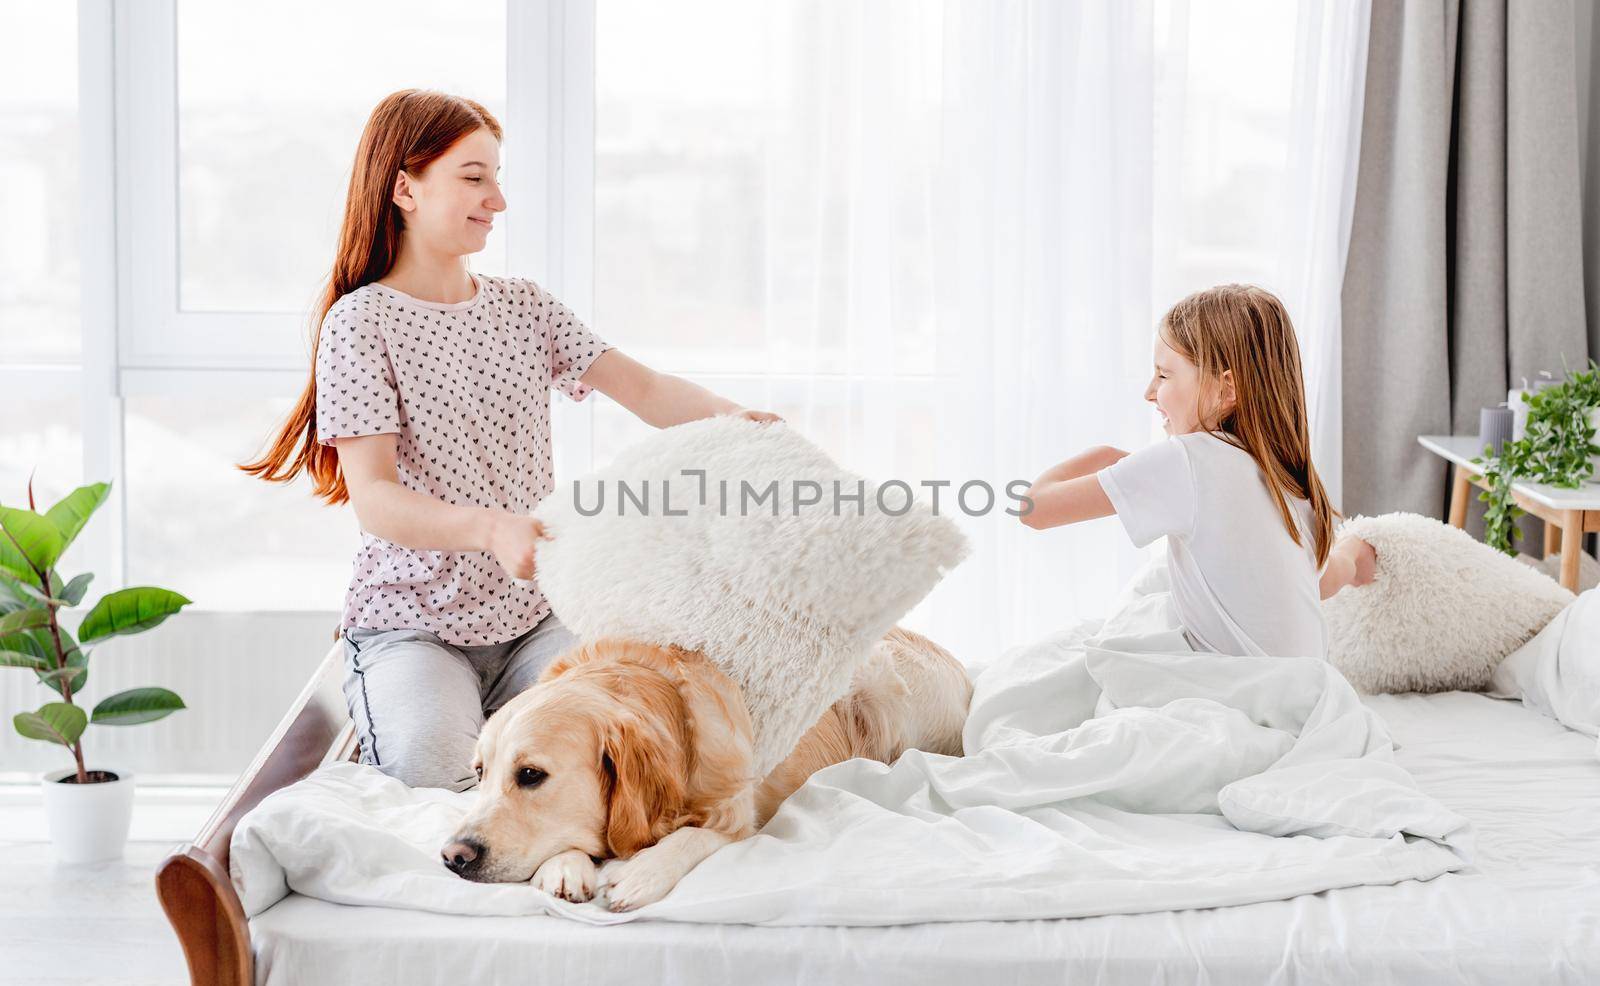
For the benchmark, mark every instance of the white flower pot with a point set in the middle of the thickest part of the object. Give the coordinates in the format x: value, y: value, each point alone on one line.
x: 88, y: 822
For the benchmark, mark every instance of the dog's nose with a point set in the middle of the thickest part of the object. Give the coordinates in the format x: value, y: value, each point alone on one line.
x: 462, y: 856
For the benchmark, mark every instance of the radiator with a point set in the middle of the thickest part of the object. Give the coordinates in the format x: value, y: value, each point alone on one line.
x: 236, y: 672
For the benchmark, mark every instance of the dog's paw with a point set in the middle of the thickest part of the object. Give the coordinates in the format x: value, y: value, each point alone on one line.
x: 633, y: 883
x: 570, y: 875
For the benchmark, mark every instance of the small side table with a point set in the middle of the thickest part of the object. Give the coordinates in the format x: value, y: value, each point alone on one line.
x: 1567, y: 514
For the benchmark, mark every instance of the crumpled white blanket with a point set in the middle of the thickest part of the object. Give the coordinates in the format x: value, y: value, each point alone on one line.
x: 1110, y: 769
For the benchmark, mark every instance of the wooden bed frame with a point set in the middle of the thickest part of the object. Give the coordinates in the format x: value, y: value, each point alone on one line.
x: 193, y: 882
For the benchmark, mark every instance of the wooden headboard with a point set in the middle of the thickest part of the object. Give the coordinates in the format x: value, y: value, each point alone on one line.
x: 193, y: 882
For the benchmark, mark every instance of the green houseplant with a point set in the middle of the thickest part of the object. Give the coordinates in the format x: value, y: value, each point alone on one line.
x: 92, y: 823
x: 1557, y: 449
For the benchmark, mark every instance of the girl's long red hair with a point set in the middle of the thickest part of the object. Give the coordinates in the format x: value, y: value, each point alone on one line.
x: 407, y: 131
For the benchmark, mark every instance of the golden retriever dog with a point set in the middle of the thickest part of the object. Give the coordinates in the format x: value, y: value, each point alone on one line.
x: 643, y: 754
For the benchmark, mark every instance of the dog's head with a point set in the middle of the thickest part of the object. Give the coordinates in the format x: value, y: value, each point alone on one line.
x: 617, y: 744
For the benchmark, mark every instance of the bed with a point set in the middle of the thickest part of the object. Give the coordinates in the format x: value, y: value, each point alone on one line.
x: 1528, y: 911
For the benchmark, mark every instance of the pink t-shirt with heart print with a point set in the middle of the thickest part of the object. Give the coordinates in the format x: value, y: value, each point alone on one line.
x: 466, y: 386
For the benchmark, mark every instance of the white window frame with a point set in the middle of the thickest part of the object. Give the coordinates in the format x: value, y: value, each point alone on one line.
x: 101, y: 287
x: 155, y: 332
x: 550, y: 65
x: 549, y: 101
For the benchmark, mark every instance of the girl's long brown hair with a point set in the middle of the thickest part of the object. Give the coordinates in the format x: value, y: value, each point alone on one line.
x: 1244, y: 329
x: 408, y: 130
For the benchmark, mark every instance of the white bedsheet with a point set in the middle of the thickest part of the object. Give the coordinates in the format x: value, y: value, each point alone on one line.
x: 1108, y: 770
x: 1527, y: 911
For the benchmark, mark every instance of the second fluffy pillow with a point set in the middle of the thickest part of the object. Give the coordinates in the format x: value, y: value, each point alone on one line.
x: 1441, y: 612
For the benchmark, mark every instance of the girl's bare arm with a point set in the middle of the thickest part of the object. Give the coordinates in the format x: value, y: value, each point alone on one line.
x: 659, y: 399
x: 415, y: 520
x: 1068, y: 492
x: 1351, y: 561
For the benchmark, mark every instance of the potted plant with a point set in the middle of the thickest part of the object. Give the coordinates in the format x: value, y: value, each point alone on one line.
x: 1558, y: 448
x: 88, y: 807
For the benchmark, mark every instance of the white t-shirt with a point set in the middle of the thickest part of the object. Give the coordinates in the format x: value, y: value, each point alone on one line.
x: 1240, y: 583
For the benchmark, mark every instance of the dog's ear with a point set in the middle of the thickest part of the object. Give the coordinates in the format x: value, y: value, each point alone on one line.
x: 723, y: 745
x: 876, y: 692
x: 644, y: 766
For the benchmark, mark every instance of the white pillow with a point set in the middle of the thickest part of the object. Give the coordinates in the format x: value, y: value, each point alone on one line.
x: 1558, y: 671
x: 1441, y: 611
x: 787, y: 605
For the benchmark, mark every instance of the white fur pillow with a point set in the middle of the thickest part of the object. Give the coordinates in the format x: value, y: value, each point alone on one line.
x: 1441, y: 612
x: 786, y: 597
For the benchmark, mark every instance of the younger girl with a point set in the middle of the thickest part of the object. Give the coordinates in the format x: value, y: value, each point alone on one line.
x: 428, y: 409
x: 1247, y: 522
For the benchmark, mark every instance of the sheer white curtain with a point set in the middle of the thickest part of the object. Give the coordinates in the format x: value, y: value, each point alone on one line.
x: 1258, y: 120
x: 1044, y: 238
x: 1324, y: 154
x: 940, y: 235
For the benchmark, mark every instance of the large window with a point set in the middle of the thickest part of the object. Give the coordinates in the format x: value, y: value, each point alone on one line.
x: 196, y: 522
x: 231, y: 163
x: 265, y: 140
x: 215, y: 360
x: 933, y: 234
x: 768, y: 197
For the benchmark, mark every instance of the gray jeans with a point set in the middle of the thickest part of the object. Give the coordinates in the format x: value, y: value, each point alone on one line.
x: 418, y: 702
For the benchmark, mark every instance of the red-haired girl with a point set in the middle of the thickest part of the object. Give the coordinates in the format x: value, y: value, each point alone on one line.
x: 428, y: 409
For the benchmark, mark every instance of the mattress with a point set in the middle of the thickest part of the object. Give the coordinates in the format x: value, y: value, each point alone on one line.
x: 1527, y: 911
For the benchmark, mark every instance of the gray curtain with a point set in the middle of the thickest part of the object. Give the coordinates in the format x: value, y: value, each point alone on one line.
x: 1589, y: 153
x: 1465, y: 270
